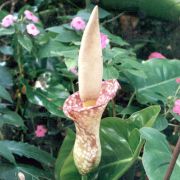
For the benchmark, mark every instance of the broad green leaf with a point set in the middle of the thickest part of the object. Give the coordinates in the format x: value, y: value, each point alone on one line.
x: 7, y: 31
x: 113, y: 38
x: 145, y: 117
x: 5, y: 77
x: 10, y: 117
x: 121, y: 144
x: 3, y: 14
x: 4, y: 94
x: 55, y: 29
x: 25, y: 42
x: 67, y: 36
x: 160, y: 82
x: 8, y: 148
x: 51, y: 98
x: 161, y: 123
x: 110, y: 72
x: 56, y: 49
x: 65, y: 150
x: 9, y: 171
x: 64, y: 35
x: 157, y: 155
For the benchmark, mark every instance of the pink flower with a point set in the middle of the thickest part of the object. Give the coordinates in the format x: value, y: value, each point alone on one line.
x: 178, y: 80
x: 156, y: 55
x: 40, y: 131
x: 104, y: 40
x: 78, y: 23
x: 32, y: 29
x: 30, y: 16
x: 74, y: 70
x: 8, y: 21
x: 176, y: 108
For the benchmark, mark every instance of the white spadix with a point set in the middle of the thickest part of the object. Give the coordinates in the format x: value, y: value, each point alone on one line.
x: 90, y: 63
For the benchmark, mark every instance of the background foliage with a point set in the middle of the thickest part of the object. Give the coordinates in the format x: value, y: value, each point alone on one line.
x: 139, y: 129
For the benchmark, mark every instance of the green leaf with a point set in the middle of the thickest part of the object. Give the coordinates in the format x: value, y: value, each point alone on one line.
x: 10, y: 117
x: 25, y: 42
x: 145, y: 117
x: 161, y: 123
x: 110, y: 72
x: 7, y: 50
x: 160, y: 82
x: 113, y: 38
x: 5, y: 77
x: 9, y: 171
x: 121, y: 144
x: 51, y: 98
x: 65, y: 150
x: 8, y: 148
x: 7, y: 31
x: 56, y: 49
x: 157, y: 155
x: 67, y: 36
x: 64, y: 35
x: 4, y: 94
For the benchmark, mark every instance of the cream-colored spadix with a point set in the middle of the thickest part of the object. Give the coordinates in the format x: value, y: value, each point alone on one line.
x: 90, y: 63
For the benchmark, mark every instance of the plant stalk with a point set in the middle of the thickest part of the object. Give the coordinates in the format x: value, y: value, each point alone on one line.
x: 84, y: 177
x: 175, y: 155
x: 130, y: 101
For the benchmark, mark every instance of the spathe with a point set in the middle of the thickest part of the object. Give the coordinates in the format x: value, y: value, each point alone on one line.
x: 90, y: 61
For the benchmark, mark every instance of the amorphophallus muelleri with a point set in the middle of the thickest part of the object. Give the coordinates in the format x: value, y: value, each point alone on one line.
x: 86, y: 107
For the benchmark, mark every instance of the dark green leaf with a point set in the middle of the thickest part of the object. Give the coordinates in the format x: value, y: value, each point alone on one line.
x: 25, y: 42
x: 65, y: 150
x: 110, y: 72
x: 9, y: 171
x: 161, y: 123
x: 157, y: 155
x: 7, y: 31
x: 5, y: 77
x: 8, y: 148
x: 4, y: 94
x: 56, y: 49
x: 51, y: 98
x: 113, y: 38
x: 160, y: 82
x: 7, y: 50
x: 10, y: 117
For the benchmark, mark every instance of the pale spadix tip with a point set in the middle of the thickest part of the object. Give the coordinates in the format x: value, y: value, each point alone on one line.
x: 90, y: 63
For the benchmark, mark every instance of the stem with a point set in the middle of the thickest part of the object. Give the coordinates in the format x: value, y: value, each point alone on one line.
x: 84, y: 177
x: 19, y: 60
x: 129, y: 103
x: 1, y: 136
x: 113, y: 108
x: 72, y: 85
x: 5, y: 4
x: 177, y: 91
x: 21, y: 72
x: 112, y: 19
x: 173, y: 161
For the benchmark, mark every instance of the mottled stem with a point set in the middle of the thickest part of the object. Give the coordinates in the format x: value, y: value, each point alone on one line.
x: 173, y: 161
